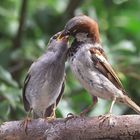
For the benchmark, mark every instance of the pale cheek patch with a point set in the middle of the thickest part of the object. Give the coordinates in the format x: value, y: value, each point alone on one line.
x: 82, y: 37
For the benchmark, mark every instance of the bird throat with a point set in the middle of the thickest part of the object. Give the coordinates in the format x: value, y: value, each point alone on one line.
x: 75, y: 46
x: 80, y: 38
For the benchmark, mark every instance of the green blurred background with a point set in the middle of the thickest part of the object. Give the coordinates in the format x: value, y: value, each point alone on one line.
x: 27, y: 25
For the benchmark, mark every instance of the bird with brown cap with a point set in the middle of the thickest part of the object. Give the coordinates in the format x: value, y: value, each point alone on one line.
x: 90, y: 65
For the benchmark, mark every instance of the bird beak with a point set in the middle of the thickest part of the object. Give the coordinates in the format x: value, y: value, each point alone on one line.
x: 64, y: 34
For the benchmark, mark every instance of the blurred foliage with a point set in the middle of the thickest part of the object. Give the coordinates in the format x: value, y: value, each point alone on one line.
x: 120, y: 35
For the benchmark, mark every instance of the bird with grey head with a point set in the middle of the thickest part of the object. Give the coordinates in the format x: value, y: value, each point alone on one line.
x: 44, y: 84
x: 90, y: 65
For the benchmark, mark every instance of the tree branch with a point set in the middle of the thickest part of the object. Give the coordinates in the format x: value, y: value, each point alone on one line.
x: 18, y: 37
x: 80, y: 128
x: 72, y: 5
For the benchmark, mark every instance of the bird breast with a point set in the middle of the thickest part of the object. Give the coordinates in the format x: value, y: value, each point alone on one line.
x: 91, y: 79
x: 45, y: 84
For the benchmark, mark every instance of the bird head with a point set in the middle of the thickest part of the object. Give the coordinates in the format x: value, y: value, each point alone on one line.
x: 82, y: 28
x: 58, y: 44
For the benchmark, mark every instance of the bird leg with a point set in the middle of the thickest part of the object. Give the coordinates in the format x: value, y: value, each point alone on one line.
x: 53, y: 115
x: 109, y: 114
x: 112, y: 104
x: 25, y: 122
x: 86, y: 110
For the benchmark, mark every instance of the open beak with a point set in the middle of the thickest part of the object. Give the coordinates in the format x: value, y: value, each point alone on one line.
x: 64, y: 34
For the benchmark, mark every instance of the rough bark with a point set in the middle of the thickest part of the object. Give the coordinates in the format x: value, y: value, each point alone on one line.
x: 125, y: 127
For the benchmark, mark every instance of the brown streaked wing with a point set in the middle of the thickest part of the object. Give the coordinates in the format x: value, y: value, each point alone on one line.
x: 105, y: 68
x: 100, y: 49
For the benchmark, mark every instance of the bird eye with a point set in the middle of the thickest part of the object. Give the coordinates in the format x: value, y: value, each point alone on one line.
x: 55, y: 36
x: 88, y: 35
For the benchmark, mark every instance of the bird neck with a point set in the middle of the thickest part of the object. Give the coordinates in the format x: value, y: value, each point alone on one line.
x: 83, y: 38
x: 57, y: 53
x: 75, y: 46
x: 61, y: 53
x: 86, y: 37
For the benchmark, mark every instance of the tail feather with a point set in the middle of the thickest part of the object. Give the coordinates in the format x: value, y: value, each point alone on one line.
x: 131, y: 104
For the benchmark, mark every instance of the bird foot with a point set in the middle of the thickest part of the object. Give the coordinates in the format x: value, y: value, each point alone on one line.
x: 106, y: 117
x: 50, y: 119
x: 25, y: 123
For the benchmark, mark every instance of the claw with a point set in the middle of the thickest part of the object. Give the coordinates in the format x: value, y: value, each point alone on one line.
x: 106, y: 117
x: 52, y: 117
x: 25, y: 123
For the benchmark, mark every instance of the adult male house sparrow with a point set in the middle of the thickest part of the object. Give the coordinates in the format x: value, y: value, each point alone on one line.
x: 44, y: 84
x: 89, y: 63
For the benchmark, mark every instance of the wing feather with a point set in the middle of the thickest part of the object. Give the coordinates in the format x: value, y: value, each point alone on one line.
x: 25, y: 101
x: 105, y: 68
x: 49, y: 110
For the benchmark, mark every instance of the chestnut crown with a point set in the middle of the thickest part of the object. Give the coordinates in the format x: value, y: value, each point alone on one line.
x: 82, y: 24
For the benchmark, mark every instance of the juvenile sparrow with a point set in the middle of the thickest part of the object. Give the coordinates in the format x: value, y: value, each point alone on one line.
x: 44, y: 84
x: 89, y: 63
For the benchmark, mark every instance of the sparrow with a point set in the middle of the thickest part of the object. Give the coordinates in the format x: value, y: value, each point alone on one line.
x: 44, y: 84
x: 90, y: 65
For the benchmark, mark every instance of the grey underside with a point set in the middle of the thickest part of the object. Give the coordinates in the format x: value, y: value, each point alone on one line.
x: 45, y: 83
x: 90, y: 77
